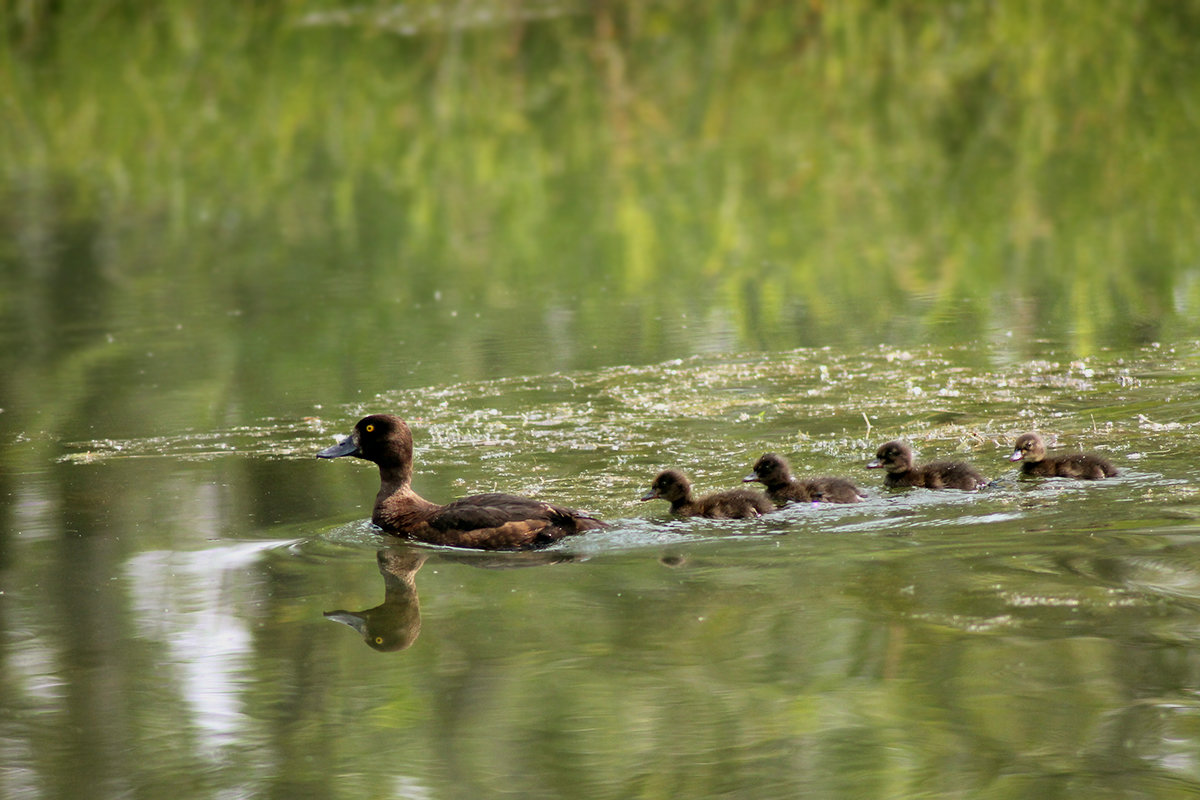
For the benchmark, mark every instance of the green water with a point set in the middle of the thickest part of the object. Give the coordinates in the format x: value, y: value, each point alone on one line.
x: 574, y: 244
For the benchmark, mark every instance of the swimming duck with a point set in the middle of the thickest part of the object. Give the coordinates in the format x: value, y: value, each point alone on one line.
x: 482, y: 521
x: 774, y: 472
x: 896, y: 458
x: 673, y: 486
x: 1030, y: 450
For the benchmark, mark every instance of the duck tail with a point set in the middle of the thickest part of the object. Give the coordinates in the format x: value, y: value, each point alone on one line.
x: 571, y: 521
x: 585, y: 523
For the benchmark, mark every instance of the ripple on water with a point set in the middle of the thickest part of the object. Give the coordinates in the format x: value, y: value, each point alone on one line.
x: 594, y: 439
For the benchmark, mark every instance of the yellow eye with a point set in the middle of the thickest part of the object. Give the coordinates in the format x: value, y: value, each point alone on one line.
x: 378, y: 640
x: 370, y: 429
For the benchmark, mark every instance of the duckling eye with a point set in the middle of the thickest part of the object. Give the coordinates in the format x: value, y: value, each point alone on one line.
x: 369, y: 429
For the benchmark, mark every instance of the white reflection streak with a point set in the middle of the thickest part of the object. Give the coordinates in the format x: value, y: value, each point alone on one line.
x: 187, y: 601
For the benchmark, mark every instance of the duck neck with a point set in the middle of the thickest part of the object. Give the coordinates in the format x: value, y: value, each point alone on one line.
x: 783, y: 481
x: 397, y: 506
x: 394, y: 479
x: 682, y: 503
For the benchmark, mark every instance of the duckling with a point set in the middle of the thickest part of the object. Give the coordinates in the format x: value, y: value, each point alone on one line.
x: 482, y: 521
x: 1030, y: 450
x: 774, y: 472
x: 896, y: 458
x: 673, y: 486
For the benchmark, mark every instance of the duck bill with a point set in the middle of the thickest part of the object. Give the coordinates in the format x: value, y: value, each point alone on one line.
x: 751, y: 478
x: 1016, y: 456
x: 346, y: 447
x: 650, y: 495
x: 876, y: 464
x: 350, y: 618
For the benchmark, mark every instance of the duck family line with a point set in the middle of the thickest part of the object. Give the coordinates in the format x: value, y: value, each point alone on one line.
x: 510, y: 522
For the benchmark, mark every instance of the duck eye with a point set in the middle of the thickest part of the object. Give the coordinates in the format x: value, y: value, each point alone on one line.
x: 378, y: 640
x: 369, y: 429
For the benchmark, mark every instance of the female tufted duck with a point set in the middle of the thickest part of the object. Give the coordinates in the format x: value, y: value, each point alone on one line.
x: 673, y: 486
x: 897, y: 458
x: 1030, y: 450
x: 774, y: 472
x: 482, y: 521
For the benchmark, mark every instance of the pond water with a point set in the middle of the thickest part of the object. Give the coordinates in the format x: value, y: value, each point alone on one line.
x: 171, y: 612
x: 574, y: 244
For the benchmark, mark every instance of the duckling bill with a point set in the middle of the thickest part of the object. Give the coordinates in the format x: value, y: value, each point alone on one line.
x: 674, y: 487
x: 484, y: 521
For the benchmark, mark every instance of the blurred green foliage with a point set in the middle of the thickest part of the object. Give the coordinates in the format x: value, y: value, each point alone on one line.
x: 501, y: 188
x: 775, y: 154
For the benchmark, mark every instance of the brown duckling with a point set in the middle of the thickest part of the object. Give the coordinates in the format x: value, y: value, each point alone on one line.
x: 1030, y: 450
x: 896, y: 458
x: 673, y: 486
x: 482, y: 521
x: 774, y: 472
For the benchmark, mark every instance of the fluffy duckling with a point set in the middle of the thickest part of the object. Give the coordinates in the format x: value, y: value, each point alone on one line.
x: 674, y: 487
x: 896, y: 458
x: 1030, y: 450
x: 774, y: 472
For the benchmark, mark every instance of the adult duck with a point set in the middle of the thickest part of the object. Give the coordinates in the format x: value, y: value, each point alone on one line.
x: 482, y: 521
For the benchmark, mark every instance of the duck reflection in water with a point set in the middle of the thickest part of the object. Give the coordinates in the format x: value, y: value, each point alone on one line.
x: 395, y: 623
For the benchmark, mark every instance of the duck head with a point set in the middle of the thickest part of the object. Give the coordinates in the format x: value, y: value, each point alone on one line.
x: 1028, y: 447
x: 670, y: 485
x: 382, y: 438
x: 894, y: 456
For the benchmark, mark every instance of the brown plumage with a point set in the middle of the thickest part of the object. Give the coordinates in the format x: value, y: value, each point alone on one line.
x: 774, y: 472
x: 482, y: 521
x: 1030, y: 450
x: 674, y: 487
x: 897, y: 459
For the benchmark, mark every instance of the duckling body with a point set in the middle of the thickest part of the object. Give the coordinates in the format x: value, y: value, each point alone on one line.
x: 896, y: 458
x: 483, y: 521
x: 1030, y: 450
x: 673, y: 486
x: 774, y: 472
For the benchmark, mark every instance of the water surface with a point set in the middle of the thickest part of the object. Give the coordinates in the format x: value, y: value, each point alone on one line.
x: 1037, y: 637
